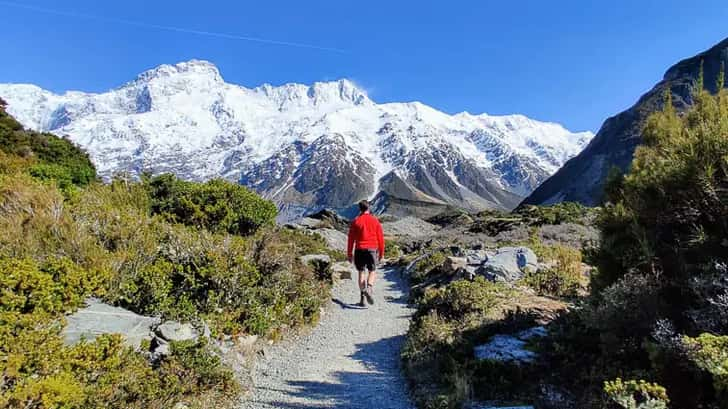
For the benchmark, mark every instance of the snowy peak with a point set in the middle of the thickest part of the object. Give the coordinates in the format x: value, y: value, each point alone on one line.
x: 293, y: 96
x: 305, y: 146
x: 191, y: 69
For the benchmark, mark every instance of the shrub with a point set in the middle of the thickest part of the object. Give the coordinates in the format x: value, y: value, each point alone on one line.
x: 565, y: 212
x: 662, y: 258
x: 217, y: 205
x: 426, y: 264
x: 563, y: 279
x: 38, y: 370
x: 710, y: 353
x: 392, y: 249
x: 438, y: 350
x: 54, y: 157
x: 637, y: 395
x: 463, y: 297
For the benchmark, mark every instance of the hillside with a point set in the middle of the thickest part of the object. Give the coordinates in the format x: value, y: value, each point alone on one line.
x: 582, y: 178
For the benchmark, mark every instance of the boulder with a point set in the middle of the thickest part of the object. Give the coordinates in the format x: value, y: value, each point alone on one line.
x: 308, y: 223
x: 175, y: 331
x: 321, y: 264
x: 509, y: 264
x: 343, y: 270
x: 315, y: 259
x: 476, y: 257
x: 510, y: 348
x: 453, y: 264
x: 334, y: 238
x: 98, y: 318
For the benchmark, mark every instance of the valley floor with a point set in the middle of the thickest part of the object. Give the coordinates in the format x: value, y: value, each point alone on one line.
x: 350, y: 360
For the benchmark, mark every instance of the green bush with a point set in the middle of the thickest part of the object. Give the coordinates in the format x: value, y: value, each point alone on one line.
x: 39, y: 371
x: 217, y: 205
x: 710, y: 353
x: 563, y: 279
x: 637, y: 395
x: 425, y: 265
x: 662, y: 259
x: 437, y: 353
x: 565, y: 212
x: 54, y: 157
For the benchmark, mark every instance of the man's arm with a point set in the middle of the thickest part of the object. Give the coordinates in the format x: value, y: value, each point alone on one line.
x: 380, y: 238
x: 350, y: 244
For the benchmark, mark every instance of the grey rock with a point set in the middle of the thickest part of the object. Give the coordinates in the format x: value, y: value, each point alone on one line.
x: 343, y: 270
x: 162, y: 350
x: 315, y: 258
x: 334, y: 238
x: 509, y: 264
x: 475, y: 257
x: 510, y: 348
x: 98, y: 318
x: 247, y: 341
x: 409, y: 227
x: 453, y: 264
x: 505, y: 348
x: 175, y: 331
x: 308, y: 222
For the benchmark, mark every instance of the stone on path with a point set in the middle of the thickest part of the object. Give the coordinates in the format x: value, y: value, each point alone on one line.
x: 98, y: 318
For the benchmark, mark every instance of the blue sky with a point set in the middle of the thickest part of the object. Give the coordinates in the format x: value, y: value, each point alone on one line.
x: 573, y: 62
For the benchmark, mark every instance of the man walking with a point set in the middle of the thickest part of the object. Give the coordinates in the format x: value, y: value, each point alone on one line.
x: 365, y: 249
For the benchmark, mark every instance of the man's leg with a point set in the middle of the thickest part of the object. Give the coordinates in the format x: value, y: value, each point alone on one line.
x: 363, y: 279
x: 372, y: 278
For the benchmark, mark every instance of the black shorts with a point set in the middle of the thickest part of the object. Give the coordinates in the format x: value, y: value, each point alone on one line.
x: 366, y: 259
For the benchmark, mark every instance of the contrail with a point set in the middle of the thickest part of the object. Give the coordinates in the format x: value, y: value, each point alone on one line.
x: 168, y: 28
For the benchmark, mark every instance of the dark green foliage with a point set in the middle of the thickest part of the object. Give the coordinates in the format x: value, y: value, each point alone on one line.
x: 218, y: 206
x: 565, y: 212
x: 661, y: 264
x: 438, y: 355
x: 54, y: 157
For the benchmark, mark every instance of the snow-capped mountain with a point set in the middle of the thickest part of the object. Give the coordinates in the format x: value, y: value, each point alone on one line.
x: 327, y: 144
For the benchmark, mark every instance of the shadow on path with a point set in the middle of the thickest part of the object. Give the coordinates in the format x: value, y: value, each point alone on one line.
x: 380, y: 388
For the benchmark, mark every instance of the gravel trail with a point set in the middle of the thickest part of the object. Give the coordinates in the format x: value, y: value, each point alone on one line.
x: 350, y: 360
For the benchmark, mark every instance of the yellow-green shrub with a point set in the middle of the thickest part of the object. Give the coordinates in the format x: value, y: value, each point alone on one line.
x: 636, y: 394
x: 563, y: 279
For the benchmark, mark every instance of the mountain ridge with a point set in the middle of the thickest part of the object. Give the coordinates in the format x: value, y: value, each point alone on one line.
x: 186, y: 119
x: 581, y: 179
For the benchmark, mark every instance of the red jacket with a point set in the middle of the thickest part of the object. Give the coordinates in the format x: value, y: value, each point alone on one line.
x: 367, y: 234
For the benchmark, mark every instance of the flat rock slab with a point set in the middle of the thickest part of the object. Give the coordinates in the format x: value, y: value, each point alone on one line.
x: 350, y: 360
x: 334, y: 238
x: 510, y: 348
x: 98, y: 318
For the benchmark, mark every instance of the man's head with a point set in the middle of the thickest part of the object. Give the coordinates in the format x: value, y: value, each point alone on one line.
x: 364, y: 206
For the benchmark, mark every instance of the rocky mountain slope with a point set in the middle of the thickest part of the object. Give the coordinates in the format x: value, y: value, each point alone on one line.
x: 305, y: 147
x: 582, y: 178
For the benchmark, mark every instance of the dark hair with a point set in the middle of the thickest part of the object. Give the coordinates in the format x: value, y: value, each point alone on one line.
x: 363, y: 206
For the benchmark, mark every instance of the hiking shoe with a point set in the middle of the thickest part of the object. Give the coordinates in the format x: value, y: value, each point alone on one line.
x: 368, y: 295
x: 361, y: 300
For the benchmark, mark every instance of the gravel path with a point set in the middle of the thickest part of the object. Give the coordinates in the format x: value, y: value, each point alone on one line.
x: 350, y: 360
